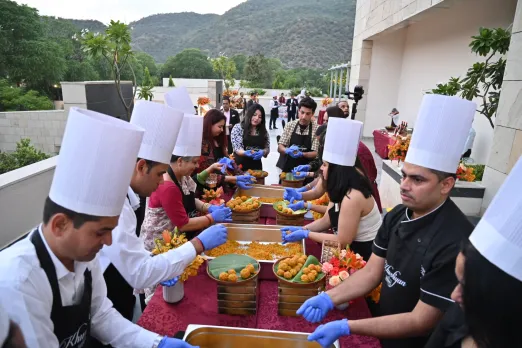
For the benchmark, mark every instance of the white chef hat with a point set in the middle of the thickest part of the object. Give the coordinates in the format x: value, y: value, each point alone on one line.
x: 4, y: 325
x: 342, y: 141
x: 498, y: 235
x: 162, y: 124
x: 179, y: 99
x: 441, y: 130
x: 95, y: 164
x: 190, y: 137
x: 274, y: 94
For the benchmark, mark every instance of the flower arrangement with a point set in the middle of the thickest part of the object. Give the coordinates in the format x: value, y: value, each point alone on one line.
x: 203, y: 100
x: 323, y: 200
x: 213, y: 196
x: 342, y: 265
x: 230, y: 93
x: 173, y: 240
x: 399, y: 149
x: 465, y: 173
x: 327, y: 101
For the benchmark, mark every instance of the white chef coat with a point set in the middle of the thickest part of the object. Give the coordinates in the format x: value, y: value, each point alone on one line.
x: 227, y: 123
x: 135, y: 264
x: 470, y: 140
x: 274, y: 104
x: 395, y: 119
x: 26, y: 295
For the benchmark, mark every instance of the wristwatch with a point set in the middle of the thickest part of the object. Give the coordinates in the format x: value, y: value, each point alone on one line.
x: 157, y: 341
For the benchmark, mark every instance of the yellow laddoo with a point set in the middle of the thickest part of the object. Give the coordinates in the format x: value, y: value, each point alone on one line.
x: 304, y: 278
x: 231, y: 271
x: 280, y: 272
x: 284, y: 266
x: 251, y: 268
x: 245, y: 273
x: 232, y: 277
x: 288, y: 275
x: 306, y: 270
x: 223, y: 276
x: 312, y: 276
x: 293, y: 271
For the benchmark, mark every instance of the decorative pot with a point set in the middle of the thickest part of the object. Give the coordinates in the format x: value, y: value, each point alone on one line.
x: 173, y: 294
x: 343, y: 306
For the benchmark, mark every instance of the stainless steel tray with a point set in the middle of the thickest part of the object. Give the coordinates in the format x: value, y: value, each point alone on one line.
x: 232, y: 337
x: 261, y: 233
x: 263, y: 191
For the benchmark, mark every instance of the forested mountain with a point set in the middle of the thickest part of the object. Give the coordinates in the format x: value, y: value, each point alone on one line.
x: 301, y: 33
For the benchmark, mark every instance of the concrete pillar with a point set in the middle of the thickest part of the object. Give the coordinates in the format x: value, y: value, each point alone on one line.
x: 507, y: 138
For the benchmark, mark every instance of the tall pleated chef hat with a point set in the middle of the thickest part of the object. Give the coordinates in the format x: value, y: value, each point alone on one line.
x: 95, y: 164
x: 190, y: 137
x: 162, y: 124
x: 440, y: 132
x: 274, y: 94
x: 342, y: 141
x: 4, y: 325
x: 498, y: 235
x: 179, y: 99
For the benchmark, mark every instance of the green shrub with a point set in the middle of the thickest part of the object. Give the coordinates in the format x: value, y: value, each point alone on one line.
x: 171, y: 82
x: 295, y: 91
x: 18, y: 99
x: 24, y: 155
x: 258, y: 91
x: 315, y: 92
x: 478, y: 170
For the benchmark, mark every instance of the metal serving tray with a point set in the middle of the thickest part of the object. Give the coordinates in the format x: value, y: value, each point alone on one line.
x: 266, y: 192
x: 260, y: 233
x: 233, y: 337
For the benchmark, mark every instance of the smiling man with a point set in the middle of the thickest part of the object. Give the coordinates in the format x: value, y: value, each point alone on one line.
x: 415, y: 249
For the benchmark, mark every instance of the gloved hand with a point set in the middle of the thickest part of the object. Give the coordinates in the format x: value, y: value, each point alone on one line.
x: 299, y: 205
x: 258, y: 155
x: 315, y: 309
x: 292, y: 194
x: 293, y: 151
x: 248, y: 153
x: 227, y: 163
x: 327, y: 334
x: 213, y: 236
x: 212, y: 208
x: 168, y: 342
x: 294, y: 236
x: 222, y: 215
x: 171, y: 282
x: 302, y: 189
x: 302, y: 168
x: 245, y: 181
x: 299, y: 176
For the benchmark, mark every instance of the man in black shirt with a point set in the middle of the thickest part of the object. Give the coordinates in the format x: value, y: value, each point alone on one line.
x: 415, y: 249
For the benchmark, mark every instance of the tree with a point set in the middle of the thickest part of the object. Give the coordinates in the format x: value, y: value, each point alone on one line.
x: 18, y: 99
x: 147, y: 80
x: 114, y: 47
x: 257, y: 71
x: 147, y: 61
x: 484, y: 79
x: 240, y: 62
x: 226, y: 69
x: 24, y: 155
x: 189, y: 63
x: 171, y: 82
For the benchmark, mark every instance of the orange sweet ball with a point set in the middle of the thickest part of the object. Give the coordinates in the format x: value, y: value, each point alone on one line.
x: 223, y: 276
x: 231, y: 271
x: 288, y: 275
x: 232, y: 277
x: 245, y: 273
x: 304, y: 278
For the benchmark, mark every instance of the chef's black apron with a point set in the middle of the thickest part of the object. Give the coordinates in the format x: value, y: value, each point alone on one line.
x: 304, y: 142
x: 251, y: 142
x: 72, y: 324
x: 140, y: 214
x: 189, y: 201
x: 401, y: 279
x: 362, y: 248
x: 119, y: 291
x: 218, y: 153
x: 451, y: 331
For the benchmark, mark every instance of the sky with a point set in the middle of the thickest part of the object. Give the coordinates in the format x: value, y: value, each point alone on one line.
x: 125, y: 10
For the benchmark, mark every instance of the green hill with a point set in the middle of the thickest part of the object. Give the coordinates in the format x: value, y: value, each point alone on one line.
x: 302, y: 33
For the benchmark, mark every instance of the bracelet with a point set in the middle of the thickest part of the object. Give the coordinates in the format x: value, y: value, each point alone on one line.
x: 210, y: 221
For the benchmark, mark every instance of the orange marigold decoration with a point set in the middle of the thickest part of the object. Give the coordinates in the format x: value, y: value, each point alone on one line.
x: 324, y: 200
x: 398, y: 150
x: 465, y: 173
x: 327, y: 101
x: 203, y: 100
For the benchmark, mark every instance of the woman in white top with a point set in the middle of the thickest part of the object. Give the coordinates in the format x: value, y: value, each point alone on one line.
x: 352, y: 211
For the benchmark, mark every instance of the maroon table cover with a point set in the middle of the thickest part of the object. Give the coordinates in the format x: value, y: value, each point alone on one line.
x: 381, y: 142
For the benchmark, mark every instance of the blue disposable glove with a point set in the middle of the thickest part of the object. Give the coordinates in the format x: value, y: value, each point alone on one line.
x: 248, y: 153
x: 299, y: 205
x: 222, y: 215
x: 299, y: 176
x: 213, y: 208
x: 294, y: 236
x: 168, y: 342
x: 302, y: 189
x: 302, y: 168
x: 293, y: 151
x: 327, y: 334
x: 258, y: 155
x: 244, y: 181
x: 227, y: 163
x: 171, y: 282
x: 315, y: 309
x: 292, y: 194
x: 213, y: 236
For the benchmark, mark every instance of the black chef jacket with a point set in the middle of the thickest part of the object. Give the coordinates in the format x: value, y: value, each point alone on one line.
x: 420, y: 261
x: 451, y: 330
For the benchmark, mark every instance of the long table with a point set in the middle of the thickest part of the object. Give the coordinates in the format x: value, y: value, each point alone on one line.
x: 199, y: 306
x: 381, y: 141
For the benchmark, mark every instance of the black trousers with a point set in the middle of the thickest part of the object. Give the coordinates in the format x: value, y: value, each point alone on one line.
x: 466, y: 154
x: 274, y: 114
x: 291, y: 116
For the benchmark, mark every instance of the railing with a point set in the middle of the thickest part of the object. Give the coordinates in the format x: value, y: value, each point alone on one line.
x: 22, y: 196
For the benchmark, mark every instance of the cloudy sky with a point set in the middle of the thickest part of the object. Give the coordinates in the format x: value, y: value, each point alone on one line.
x: 125, y: 10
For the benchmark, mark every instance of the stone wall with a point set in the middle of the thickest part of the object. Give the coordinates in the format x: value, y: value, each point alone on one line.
x: 507, y: 139
x: 44, y: 128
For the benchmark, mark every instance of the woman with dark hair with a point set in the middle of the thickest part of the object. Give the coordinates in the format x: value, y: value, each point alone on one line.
x: 250, y: 139
x: 352, y: 211
x: 489, y: 274
x: 214, y: 148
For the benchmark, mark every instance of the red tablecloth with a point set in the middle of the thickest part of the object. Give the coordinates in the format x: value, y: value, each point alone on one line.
x: 321, y: 117
x: 199, y: 306
x: 381, y: 142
